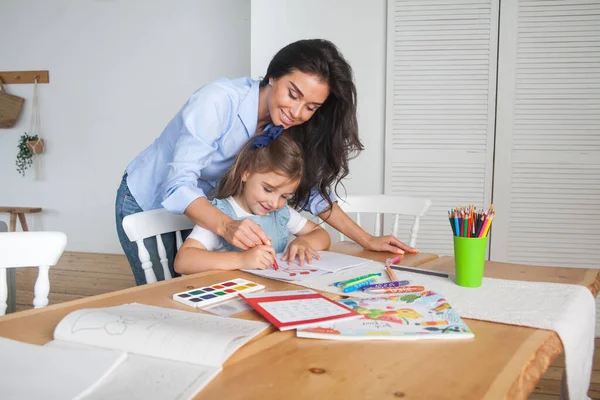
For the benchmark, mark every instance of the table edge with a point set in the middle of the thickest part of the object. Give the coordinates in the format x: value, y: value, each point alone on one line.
x: 534, y: 370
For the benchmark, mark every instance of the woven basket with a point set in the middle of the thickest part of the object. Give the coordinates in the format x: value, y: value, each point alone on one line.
x: 10, y: 108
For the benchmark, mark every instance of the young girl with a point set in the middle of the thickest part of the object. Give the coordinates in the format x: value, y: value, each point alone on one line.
x: 259, y: 184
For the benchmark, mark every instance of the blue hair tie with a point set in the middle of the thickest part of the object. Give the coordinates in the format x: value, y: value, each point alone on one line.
x: 269, y: 134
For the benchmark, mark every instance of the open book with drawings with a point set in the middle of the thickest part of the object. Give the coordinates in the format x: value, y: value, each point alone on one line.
x: 172, y: 354
x: 328, y: 263
x: 411, y: 316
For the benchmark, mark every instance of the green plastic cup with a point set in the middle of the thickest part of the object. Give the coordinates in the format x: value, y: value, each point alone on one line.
x: 469, y: 258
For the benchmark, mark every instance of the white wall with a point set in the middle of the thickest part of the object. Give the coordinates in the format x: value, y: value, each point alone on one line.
x: 119, y: 70
x: 358, y: 28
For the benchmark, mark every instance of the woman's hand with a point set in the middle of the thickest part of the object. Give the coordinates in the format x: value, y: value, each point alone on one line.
x: 244, y: 234
x: 258, y: 257
x: 302, y: 249
x: 344, y: 224
x: 388, y: 243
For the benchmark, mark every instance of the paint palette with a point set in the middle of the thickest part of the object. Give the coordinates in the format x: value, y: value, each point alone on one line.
x: 206, y: 296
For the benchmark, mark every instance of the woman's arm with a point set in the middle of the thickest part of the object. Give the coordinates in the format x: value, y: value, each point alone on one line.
x: 193, y: 257
x: 204, y: 118
x: 338, y: 219
x: 243, y: 234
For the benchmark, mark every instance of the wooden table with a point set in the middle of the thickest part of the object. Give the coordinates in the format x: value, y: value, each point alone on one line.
x: 19, y: 212
x: 503, y: 361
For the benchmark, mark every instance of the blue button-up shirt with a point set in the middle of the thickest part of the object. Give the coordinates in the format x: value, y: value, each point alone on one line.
x: 196, y: 148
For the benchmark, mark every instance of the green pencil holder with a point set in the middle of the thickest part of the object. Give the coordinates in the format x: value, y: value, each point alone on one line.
x: 469, y: 259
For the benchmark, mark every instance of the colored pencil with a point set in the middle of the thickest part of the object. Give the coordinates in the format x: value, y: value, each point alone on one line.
x: 419, y: 271
x: 275, y: 265
x: 451, y: 223
x: 469, y: 222
x: 487, y: 227
x: 456, y: 224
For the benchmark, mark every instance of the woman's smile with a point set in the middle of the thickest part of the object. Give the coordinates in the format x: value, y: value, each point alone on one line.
x: 287, y: 121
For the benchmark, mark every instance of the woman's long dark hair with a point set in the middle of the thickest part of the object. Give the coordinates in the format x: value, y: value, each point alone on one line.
x: 329, y: 138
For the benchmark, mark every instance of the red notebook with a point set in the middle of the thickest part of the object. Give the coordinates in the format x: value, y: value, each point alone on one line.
x: 298, y: 309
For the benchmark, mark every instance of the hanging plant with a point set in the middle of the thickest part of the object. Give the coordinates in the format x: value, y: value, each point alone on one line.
x: 25, y: 155
x: 31, y: 144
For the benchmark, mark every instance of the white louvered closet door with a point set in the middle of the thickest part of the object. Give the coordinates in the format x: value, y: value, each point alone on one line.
x: 440, y: 107
x: 547, y: 175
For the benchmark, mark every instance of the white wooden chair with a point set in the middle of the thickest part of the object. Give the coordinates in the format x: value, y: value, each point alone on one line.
x: 29, y: 249
x: 154, y: 223
x: 387, y: 204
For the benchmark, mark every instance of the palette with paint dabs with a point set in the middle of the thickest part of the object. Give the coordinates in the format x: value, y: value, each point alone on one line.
x: 206, y: 296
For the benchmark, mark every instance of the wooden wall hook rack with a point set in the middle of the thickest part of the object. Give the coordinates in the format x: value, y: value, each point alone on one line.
x: 12, y: 77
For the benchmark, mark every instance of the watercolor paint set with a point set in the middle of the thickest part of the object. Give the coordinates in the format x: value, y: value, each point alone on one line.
x: 206, y: 296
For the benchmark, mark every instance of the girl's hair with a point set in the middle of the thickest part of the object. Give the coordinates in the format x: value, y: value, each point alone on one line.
x: 282, y: 155
x: 330, y: 136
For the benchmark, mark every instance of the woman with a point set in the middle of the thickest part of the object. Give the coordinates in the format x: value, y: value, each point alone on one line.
x: 309, y: 90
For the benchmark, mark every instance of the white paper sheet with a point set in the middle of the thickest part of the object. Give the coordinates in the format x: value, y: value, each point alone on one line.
x: 159, y: 332
x: 28, y: 371
x: 141, y: 377
x: 329, y: 262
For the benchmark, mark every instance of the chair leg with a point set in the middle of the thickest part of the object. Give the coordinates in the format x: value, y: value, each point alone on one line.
x: 11, y: 283
x: 144, y: 257
x: 413, y: 232
x: 23, y: 222
x: 162, y: 253
x: 13, y: 222
x: 3, y: 291
x: 42, y: 287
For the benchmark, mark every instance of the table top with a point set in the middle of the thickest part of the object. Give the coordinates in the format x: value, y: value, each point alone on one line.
x: 20, y: 210
x: 503, y: 361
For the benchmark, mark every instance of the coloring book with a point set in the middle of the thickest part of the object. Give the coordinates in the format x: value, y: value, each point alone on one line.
x: 328, y: 263
x: 171, y: 354
x: 412, y: 316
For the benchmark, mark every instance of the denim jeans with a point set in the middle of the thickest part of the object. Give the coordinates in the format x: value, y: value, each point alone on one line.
x: 125, y: 205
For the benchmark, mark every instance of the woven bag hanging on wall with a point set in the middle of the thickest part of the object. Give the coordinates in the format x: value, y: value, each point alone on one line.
x: 10, y: 107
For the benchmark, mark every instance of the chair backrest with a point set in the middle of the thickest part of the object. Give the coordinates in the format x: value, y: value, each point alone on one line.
x: 30, y: 249
x: 154, y: 223
x: 387, y: 204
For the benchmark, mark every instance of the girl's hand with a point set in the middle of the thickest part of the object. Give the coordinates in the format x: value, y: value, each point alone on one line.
x: 302, y: 249
x: 244, y: 234
x: 389, y: 243
x: 258, y: 257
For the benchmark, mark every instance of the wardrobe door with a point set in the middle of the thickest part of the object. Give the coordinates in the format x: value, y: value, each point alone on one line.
x: 440, y: 108
x: 547, y: 162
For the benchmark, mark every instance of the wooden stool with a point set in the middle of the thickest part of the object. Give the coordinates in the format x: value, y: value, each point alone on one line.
x: 20, y: 212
